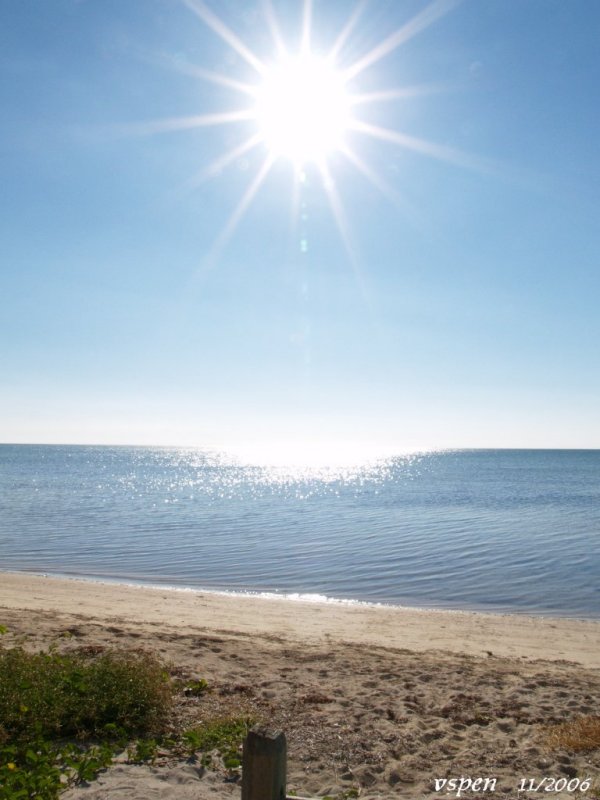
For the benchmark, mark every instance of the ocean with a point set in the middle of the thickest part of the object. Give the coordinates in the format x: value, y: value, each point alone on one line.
x: 513, y: 531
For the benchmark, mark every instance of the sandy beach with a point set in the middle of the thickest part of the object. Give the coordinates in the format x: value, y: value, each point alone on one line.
x: 378, y: 699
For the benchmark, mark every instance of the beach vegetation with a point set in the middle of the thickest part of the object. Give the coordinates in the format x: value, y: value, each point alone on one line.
x: 578, y: 735
x: 347, y: 794
x: 143, y: 751
x: 75, y: 694
x: 42, y: 768
x: 63, y: 716
x: 196, y: 688
x: 219, y: 740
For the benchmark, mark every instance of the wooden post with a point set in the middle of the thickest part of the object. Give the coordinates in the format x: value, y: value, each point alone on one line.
x: 264, y: 765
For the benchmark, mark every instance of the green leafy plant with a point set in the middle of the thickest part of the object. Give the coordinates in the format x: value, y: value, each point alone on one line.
x: 86, y: 763
x: 42, y: 769
x: 143, y: 750
x: 47, y: 697
x: 196, y: 688
x: 224, y: 735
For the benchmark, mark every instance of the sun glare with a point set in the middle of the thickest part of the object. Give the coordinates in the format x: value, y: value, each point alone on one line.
x: 303, y: 109
x: 310, y: 456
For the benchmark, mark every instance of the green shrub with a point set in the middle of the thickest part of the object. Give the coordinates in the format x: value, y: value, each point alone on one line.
x: 53, y: 695
x: 46, y: 697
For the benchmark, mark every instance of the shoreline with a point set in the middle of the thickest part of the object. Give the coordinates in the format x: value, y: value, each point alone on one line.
x: 302, y: 597
x: 314, y: 621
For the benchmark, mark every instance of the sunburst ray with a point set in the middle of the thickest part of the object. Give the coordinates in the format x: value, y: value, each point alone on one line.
x: 215, y: 77
x: 438, y: 151
x: 219, y: 164
x: 346, y: 31
x: 306, y: 27
x: 350, y: 246
x: 183, y: 123
x: 339, y: 215
x: 218, y: 26
x: 274, y: 28
x: 378, y: 182
x: 240, y: 209
x: 419, y: 22
x: 383, y: 95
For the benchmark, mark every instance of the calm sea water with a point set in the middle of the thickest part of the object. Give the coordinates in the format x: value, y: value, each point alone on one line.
x: 497, y: 530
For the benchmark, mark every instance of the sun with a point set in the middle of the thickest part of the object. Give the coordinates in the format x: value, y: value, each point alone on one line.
x: 303, y: 109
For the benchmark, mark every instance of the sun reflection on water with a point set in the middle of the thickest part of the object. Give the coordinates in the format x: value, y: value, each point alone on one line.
x: 323, y: 462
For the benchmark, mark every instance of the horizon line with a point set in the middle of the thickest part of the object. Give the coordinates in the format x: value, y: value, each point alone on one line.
x: 224, y: 447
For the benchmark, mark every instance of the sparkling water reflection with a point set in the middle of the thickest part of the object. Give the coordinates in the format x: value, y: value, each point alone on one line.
x: 496, y: 530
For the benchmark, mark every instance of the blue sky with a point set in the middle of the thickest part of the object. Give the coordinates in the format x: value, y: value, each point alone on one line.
x: 462, y: 312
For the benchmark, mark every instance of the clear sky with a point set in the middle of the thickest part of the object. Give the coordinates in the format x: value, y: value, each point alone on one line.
x: 428, y: 278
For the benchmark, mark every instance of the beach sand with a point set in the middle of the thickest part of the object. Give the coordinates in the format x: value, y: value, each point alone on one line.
x: 384, y: 700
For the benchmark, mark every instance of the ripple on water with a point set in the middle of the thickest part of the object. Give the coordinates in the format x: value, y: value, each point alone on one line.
x: 496, y: 530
